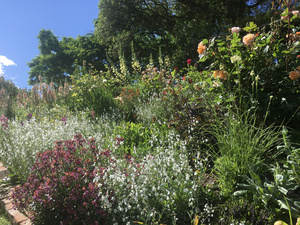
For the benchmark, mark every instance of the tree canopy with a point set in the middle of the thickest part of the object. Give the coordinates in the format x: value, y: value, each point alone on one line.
x: 175, y: 25
x: 59, y: 58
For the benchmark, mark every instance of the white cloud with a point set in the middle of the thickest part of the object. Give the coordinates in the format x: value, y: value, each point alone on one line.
x: 5, y: 62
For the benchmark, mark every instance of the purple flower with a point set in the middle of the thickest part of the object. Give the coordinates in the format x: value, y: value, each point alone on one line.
x: 29, y: 116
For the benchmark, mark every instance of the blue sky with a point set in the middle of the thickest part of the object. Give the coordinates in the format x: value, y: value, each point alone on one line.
x: 21, y: 21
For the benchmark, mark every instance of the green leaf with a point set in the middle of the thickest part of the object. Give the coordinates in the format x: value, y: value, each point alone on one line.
x: 283, y: 190
x: 205, y: 41
x: 240, y: 193
x: 269, y: 39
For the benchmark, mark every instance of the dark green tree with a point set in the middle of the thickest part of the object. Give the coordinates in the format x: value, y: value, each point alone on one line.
x: 59, y: 58
x: 177, y: 26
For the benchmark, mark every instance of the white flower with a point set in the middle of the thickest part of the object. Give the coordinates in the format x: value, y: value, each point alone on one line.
x: 235, y: 59
x: 235, y: 30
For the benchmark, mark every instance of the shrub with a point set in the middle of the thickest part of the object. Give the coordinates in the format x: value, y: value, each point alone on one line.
x: 60, y: 189
x: 23, y: 140
x: 90, y: 91
x: 264, y: 65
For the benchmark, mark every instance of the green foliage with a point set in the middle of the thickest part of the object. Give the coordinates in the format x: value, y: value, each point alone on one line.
x: 260, y: 69
x: 8, y: 92
x: 273, y: 194
x: 243, y: 212
x: 138, y: 140
x: 242, y: 146
x: 59, y: 58
x: 90, y: 92
x: 169, y: 24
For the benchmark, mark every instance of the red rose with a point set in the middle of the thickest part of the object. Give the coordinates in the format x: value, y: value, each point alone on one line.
x: 189, y: 61
x: 176, y: 68
x: 183, y: 78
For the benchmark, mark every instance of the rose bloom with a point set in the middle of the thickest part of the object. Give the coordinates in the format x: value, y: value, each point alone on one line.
x: 201, y: 48
x: 284, y: 17
x: 189, y: 61
x: 216, y: 73
x: 235, y: 30
x: 223, y: 75
x: 248, y: 39
x: 294, y: 75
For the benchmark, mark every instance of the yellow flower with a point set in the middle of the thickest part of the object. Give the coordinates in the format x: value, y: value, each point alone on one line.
x: 248, y: 39
x: 201, y: 48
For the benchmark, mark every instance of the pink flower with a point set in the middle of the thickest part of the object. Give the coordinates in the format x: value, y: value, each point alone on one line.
x: 235, y: 30
x: 189, y: 61
x: 183, y: 78
x: 176, y: 68
x: 165, y: 92
x: 296, y: 12
x: 248, y: 39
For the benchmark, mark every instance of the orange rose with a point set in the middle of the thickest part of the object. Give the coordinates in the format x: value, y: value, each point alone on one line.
x: 216, y: 73
x: 223, y: 75
x: 294, y: 75
x: 201, y: 48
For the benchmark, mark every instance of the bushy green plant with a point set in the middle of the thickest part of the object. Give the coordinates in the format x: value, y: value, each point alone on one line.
x: 90, y: 91
x: 242, y: 211
x: 241, y: 146
x: 138, y: 140
x: 256, y: 64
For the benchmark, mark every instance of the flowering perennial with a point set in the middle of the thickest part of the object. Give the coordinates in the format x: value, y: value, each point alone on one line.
x: 61, y: 186
x: 201, y: 48
x: 235, y: 30
x: 222, y: 74
x: 248, y: 39
x: 294, y: 75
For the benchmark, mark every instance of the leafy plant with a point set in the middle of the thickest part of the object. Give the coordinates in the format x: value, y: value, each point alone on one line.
x: 60, y: 188
x: 240, y: 147
x: 275, y: 195
x: 90, y: 92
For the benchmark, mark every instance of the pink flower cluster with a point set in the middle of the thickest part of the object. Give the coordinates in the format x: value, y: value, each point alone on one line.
x: 61, y: 186
x: 4, y: 121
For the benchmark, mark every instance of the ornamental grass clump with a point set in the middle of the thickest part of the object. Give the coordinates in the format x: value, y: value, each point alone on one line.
x: 60, y: 187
